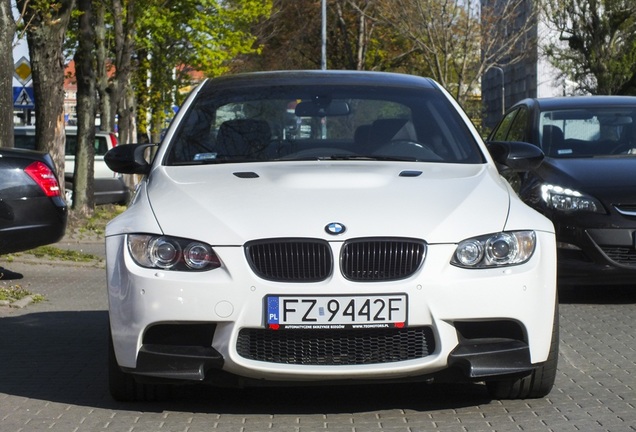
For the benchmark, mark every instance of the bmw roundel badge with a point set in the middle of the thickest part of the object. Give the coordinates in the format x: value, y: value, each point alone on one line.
x: 335, y: 228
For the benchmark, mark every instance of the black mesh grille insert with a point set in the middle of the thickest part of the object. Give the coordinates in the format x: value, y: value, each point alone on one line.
x: 622, y: 255
x: 290, y: 260
x: 336, y: 347
x: 381, y: 259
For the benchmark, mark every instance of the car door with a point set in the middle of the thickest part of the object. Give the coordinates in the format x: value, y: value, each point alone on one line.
x: 513, y: 127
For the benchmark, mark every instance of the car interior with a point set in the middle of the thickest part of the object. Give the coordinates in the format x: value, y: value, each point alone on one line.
x: 584, y: 133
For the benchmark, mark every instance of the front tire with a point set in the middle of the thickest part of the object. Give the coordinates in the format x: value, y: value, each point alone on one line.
x: 540, y: 382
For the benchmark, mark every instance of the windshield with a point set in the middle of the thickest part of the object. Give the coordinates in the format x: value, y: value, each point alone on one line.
x: 588, y: 132
x: 322, y: 122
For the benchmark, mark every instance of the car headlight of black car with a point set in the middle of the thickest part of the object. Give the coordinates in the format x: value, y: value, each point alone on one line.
x: 495, y: 250
x: 171, y: 253
x: 564, y: 199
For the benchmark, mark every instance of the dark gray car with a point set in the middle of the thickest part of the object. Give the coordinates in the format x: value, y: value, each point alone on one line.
x: 32, y: 211
x: 109, y: 187
x: 587, y: 182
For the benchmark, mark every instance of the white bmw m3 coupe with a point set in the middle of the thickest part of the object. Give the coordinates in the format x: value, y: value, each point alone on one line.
x: 328, y: 227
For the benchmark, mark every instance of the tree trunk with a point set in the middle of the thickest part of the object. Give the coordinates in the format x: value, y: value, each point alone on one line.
x: 124, y: 23
x: 7, y: 31
x: 124, y: 96
x: 83, y: 193
x: 104, y: 87
x: 45, y: 35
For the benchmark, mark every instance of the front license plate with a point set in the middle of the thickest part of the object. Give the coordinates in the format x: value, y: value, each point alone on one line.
x: 334, y: 312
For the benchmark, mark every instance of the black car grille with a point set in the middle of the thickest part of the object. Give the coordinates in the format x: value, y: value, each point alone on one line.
x: 622, y: 255
x: 309, y: 260
x: 381, y: 259
x: 336, y: 347
x: 290, y: 260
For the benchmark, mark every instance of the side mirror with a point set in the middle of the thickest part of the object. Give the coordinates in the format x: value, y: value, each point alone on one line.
x: 128, y: 159
x: 516, y: 155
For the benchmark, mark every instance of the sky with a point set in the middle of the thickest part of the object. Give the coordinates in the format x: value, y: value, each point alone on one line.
x: 20, y: 50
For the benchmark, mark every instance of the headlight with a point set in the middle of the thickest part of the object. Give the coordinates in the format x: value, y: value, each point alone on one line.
x: 495, y: 250
x: 171, y: 253
x: 563, y: 199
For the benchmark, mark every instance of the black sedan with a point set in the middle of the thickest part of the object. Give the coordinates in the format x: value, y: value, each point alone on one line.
x: 587, y: 182
x: 32, y: 211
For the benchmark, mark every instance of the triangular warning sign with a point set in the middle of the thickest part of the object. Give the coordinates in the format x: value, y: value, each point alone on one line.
x: 23, y: 99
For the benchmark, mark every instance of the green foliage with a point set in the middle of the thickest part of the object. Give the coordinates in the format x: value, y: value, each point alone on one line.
x: 18, y: 292
x: 356, y: 38
x: 102, y: 215
x: 94, y: 226
x: 187, y: 37
x: 597, y: 46
x: 52, y: 252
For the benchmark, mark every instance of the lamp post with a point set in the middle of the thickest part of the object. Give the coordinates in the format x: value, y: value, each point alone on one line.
x: 503, y: 89
x: 323, y: 61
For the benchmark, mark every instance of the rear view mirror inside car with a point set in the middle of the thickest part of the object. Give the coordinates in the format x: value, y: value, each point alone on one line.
x: 318, y: 108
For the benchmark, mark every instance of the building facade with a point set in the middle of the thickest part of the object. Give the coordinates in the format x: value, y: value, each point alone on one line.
x: 534, y: 76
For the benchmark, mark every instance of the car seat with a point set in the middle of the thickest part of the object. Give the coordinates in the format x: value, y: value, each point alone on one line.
x: 243, y: 138
x: 553, y: 142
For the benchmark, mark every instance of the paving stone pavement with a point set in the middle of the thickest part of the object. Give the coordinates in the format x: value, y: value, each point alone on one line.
x: 53, y: 375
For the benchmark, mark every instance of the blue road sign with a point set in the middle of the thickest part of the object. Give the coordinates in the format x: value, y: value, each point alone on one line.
x: 23, y: 97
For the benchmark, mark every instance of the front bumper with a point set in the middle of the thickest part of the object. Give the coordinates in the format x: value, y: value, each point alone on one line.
x: 463, y: 310
x: 26, y: 223
x: 589, y: 256
x: 470, y: 361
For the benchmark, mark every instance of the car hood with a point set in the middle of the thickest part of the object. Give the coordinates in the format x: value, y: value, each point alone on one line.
x: 231, y: 204
x: 592, y: 175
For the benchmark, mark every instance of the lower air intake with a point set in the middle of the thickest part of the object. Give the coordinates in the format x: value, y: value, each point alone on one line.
x: 336, y: 347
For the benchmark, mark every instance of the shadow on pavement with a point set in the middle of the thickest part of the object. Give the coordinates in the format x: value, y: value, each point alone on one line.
x: 55, y: 356
x: 62, y: 357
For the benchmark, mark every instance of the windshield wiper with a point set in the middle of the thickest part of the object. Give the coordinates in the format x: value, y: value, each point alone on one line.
x: 218, y: 160
x: 369, y: 157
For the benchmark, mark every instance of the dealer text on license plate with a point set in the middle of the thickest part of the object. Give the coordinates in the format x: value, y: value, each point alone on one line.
x: 333, y: 312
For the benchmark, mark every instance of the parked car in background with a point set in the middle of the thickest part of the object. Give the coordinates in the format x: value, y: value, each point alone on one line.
x: 587, y: 183
x: 367, y: 237
x: 109, y: 187
x: 32, y: 211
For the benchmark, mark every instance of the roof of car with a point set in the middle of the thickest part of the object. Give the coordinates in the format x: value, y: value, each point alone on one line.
x: 565, y: 102
x: 331, y: 77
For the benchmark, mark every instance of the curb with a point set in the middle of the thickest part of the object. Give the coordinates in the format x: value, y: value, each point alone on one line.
x: 22, y: 303
x: 18, y: 304
x: 45, y: 261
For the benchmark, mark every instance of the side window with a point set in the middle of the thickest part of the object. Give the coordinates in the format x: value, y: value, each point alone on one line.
x: 501, y: 133
x: 517, y: 131
x: 71, y: 144
x: 101, y: 147
x: 24, y: 141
